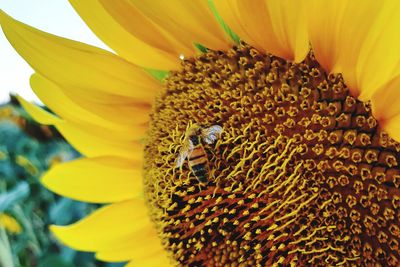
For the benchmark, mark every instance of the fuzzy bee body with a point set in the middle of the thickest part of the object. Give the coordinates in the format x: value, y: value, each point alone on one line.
x: 193, y: 150
x: 198, y: 161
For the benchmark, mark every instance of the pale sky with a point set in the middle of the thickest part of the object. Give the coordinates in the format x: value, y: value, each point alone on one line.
x: 54, y: 16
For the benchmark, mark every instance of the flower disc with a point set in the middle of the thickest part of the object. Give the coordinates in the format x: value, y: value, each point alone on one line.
x: 301, y: 174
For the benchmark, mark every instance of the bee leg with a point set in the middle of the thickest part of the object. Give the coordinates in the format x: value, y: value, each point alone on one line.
x: 212, y: 152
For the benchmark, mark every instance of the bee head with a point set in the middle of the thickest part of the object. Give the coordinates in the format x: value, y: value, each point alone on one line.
x: 193, y: 130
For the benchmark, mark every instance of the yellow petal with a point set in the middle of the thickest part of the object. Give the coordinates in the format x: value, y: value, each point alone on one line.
x: 93, y: 144
x: 98, y: 180
x: 86, y: 140
x: 289, y: 24
x: 38, y: 114
x: 324, y: 30
x: 86, y: 109
x: 107, y: 225
x: 140, y: 26
x: 338, y: 30
x: 276, y: 26
x: 386, y: 108
x: 379, y: 58
x: 77, y: 65
x: 142, y: 245
x: 358, y: 40
x: 121, y: 40
x: 117, y: 109
x: 187, y: 21
x: 385, y: 101
x: 55, y: 99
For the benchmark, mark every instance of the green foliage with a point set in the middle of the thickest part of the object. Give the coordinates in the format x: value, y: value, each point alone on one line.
x: 158, y: 74
x: 201, y: 48
x: 26, y: 151
x: 15, y: 195
x: 226, y: 28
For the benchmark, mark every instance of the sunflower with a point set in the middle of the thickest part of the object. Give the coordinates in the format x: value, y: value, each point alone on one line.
x: 304, y: 171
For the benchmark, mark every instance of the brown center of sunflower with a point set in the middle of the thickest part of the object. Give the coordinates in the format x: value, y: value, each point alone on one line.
x: 301, y: 175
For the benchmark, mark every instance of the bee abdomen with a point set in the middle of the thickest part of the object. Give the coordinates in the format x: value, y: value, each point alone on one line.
x: 200, y: 171
x: 198, y: 162
x: 197, y: 152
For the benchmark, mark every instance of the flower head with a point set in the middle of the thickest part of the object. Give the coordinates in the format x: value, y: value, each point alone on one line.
x: 294, y: 157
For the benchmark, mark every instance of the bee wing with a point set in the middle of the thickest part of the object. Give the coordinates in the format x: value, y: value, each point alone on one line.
x: 185, y: 150
x: 210, y: 135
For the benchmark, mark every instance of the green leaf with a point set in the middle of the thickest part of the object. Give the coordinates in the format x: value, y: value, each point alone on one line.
x: 53, y: 261
x: 226, y: 28
x: 18, y: 193
x: 158, y: 74
x: 6, y: 259
x: 201, y: 48
x: 61, y: 211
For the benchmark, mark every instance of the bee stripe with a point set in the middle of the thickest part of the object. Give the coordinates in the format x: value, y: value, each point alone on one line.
x: 200, y: 173
x: 202, y: 179
x: 200, y: 160
x: 193, y: 158
x: 198, y: 167
x: 197, y: 152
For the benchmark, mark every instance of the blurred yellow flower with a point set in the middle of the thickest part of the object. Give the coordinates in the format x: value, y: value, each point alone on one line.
x: 305, y: 171
x: 10, y: 224
x: 25, y: 163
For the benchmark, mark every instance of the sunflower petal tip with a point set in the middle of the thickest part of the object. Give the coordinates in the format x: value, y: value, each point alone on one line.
x: 54, y: 228
x: 57, y: 231
x: 63, y: 234
x: 38, y: 113
x: 99, y: 256
x: 49, y: 181
x: 3, y: 16
x: 46, y: 181
x: 7, y: 21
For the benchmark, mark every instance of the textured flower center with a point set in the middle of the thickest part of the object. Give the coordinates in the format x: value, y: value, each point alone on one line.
x: 301, y: 174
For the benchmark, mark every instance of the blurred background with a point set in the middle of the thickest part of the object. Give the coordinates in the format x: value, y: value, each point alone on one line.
x: 28, y: 149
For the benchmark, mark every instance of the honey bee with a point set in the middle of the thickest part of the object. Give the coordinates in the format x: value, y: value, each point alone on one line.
x: 193, y: 150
